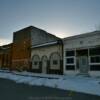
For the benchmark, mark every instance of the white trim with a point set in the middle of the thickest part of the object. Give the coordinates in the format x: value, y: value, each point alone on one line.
x: 94, y: 63
x: 88, y: 59
x: 70, y: 64
x: 44, y: 44
x: 75, y: 60
x: 95, y: 55
x: 70, y: 57
x: 64, y: 68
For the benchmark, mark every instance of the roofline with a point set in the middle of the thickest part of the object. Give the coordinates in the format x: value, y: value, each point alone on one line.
x: 44, y: 44
x: 23, y: 29
x: 82, y: 35
x: 36, y: 28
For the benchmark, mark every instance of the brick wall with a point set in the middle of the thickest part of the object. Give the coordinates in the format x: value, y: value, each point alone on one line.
x: 5, y: 56
x: 21, y: 49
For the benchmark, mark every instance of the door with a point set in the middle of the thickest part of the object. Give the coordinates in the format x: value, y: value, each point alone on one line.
x: 83, y: 64
x: 44, y: 64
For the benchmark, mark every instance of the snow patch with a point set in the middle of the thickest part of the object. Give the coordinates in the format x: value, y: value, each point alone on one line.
x: 82, y: 84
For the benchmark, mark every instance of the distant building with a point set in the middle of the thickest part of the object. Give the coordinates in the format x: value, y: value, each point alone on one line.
x: 82, y: 54
x: 5, y: 56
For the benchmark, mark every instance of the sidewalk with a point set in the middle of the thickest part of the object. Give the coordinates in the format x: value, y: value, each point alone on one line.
x: 89, y: 85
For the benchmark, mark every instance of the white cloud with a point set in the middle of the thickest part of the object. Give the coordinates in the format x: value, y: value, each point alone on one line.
x: 4, y: 41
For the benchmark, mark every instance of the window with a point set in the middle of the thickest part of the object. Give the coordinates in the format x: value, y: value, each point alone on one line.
x: 94, y: 51
x: 95, y: 67
x: 70, y: 67
x: 35, y: 63
x: 55, y: 62
x: 95, y: 59
x: 70, y: 53
x: 69, y: 60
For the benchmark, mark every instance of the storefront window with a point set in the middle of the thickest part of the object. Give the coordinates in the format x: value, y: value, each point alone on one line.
x: 95, y: 67
x: 70, y: 67
x: 94, y: 51
x: 94, y: 56
x: 95, y: 59
x: 70, y: 53
x: 70, y: 60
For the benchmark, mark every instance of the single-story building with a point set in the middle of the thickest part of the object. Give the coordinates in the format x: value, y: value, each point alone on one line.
x: 82, y: 54
x: 47, y: 58
x: 46, y: 52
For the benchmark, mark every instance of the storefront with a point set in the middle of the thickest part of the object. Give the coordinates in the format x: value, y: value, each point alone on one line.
x: 82, y: 54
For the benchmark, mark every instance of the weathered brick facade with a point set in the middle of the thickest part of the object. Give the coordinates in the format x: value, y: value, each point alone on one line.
x: 21, y: 49
x: 5, y: 56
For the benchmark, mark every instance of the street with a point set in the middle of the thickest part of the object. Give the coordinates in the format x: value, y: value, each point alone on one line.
x: 9, y: 90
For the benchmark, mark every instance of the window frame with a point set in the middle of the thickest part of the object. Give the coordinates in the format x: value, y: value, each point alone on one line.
x: 72, y: 57
x: 70, y: 64
x: 93, y: 63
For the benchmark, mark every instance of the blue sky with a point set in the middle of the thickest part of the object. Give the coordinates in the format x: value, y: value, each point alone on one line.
x: 60, y: 17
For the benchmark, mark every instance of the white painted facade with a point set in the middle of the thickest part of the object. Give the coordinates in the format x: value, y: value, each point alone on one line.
x: 46, y: 52
x: 81, y: 42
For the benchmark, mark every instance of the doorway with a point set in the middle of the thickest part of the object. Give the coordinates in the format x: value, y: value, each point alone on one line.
x: 44, y: 64
x: 83, y: 65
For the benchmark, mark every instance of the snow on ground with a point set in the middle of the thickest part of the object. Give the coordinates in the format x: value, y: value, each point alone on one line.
x: 83, y: 84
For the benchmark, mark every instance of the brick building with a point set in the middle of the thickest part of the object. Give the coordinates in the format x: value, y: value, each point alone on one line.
x: 5, y: 56
x: 21, y: 49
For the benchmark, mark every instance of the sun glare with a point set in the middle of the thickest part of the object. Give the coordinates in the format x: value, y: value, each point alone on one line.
x: 4, y: 41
